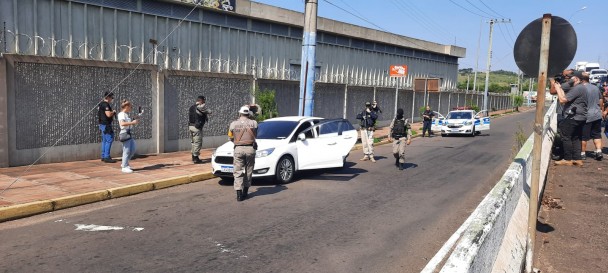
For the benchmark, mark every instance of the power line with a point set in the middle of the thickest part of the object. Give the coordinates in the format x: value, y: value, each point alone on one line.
x: 421, y: 20
x: 499, y: 15
x: 483, y: 11
x: 377, y: 26
x: 451, y: 1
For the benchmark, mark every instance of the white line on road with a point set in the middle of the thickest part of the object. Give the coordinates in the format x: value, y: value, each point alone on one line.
x: 80, y: 227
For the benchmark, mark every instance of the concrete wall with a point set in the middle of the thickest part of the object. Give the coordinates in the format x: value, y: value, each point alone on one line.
x: 493, y: 238
x: 225, y: 94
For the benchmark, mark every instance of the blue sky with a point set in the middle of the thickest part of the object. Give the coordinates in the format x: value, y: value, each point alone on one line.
x: 454, y: 22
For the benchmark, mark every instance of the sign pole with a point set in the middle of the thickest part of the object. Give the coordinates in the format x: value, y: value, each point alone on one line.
x: 543, y: 67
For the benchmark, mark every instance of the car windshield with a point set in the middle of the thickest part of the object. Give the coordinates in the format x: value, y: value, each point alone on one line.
x: 276, y: 129
x: 599, y: 72
x: 459, y: 115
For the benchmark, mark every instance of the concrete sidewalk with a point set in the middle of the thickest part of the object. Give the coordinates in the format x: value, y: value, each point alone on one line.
x: 61, y: 185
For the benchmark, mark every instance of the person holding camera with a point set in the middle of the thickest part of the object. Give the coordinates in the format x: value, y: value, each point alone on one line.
x: 400, y: 135
x: 243, y: 132
x: 125, y: 136
x: 198, y: 115
x: 557, y: 150
x: 106, y: 115
x: 592, y: 130
x: 367, y: 122
x: 575, y: 116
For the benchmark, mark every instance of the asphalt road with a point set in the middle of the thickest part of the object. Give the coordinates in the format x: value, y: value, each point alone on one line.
x: 363, y: 218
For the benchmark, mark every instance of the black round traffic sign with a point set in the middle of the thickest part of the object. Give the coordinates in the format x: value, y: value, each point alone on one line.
x: 562, y: 47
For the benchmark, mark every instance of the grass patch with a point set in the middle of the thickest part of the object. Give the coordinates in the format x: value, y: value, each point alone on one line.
x: 519, y: 139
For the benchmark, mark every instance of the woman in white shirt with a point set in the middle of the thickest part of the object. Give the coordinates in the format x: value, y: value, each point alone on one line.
x: 128, y: 143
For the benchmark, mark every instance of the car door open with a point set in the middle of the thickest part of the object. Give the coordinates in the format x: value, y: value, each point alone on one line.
x: 482, y: 123
x: 437, y: 122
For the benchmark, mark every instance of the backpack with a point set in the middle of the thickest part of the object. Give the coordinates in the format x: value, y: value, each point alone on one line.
x: 399, y: 128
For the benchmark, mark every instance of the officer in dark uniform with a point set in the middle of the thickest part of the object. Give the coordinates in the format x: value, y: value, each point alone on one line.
x: 198, y: 115
x: 401, y: 135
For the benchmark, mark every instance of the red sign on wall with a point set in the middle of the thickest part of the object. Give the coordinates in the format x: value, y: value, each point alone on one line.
x: 398, y: 71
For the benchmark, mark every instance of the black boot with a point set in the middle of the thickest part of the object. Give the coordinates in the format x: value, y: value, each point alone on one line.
x: 400, y: 167
x: 196, y: 160
x: 397, y: 162
x: 245, y: 192
x: 239, y: 196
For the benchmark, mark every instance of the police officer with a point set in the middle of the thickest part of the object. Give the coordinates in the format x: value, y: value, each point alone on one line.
x: 367, y: 122
x: 400, y: 135
x: 198, y: 115
x: 106, y: 115
x: 427, y: 119
x: 243, y: 132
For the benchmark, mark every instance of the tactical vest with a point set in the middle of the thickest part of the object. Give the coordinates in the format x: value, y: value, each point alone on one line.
x: 399, y: 128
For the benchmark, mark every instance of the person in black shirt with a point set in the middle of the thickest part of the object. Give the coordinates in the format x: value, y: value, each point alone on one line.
x: 198, y: 115
x: 106, y: 116
x: 427, y: 119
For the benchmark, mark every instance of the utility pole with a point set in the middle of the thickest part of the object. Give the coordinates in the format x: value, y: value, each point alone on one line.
x: 468, y: 80
x: 477, y: 57
x: 489, y: 65
x: 307, y: 73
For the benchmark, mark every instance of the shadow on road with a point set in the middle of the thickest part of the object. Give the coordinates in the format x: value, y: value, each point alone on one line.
x: 409, y: 166
x: 155, y: 167
x: 261, y: 191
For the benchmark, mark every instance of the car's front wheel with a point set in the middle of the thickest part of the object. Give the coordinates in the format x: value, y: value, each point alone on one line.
x: 285, y: 170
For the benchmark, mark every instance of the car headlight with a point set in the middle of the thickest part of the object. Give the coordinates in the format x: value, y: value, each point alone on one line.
x: 264, y: 153
x: 468, y: 122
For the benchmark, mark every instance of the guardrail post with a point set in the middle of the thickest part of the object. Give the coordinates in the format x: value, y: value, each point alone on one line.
x: 538, y: 139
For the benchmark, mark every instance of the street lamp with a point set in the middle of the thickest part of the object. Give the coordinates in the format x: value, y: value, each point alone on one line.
x: 579, y: 10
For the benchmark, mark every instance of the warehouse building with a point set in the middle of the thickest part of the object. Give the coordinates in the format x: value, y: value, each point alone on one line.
x: 62, y: 54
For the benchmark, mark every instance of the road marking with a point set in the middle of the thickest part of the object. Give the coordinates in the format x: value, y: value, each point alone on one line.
x: 80, y: 227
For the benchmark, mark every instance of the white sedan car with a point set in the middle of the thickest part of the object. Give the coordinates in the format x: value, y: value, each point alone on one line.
x: 289, y: 144
x: 461, y: 122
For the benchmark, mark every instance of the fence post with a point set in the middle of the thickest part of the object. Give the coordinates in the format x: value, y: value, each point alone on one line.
x: 413, y: 104
x: 345, y: 101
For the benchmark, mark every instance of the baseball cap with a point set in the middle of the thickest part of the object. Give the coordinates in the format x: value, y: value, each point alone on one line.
x: 108, y: 94
x: 201, y: 98
x: 244, y: 110
x: 368, y: 103
x: 578, y: 74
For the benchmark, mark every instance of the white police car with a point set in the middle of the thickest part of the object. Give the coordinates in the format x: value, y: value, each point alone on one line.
x: 461, y: 122
x: 289, y: 144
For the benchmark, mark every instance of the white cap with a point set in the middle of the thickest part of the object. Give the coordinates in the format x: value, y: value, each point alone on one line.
x: 244, y: 110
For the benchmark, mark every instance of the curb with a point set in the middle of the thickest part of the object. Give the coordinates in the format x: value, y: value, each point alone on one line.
x: 38, y: 207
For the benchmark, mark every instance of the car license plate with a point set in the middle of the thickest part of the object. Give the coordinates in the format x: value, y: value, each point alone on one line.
x: 455, y: 130
x: 227, y: 169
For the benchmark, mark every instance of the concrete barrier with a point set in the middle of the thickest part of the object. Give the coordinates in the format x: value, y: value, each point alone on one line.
x: 494, y: 237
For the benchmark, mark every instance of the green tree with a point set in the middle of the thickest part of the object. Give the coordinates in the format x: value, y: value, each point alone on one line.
x: 518, y: 101
x: 266, y: 100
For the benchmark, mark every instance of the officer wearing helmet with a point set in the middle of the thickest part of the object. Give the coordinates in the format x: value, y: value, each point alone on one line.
x: 243, y: 133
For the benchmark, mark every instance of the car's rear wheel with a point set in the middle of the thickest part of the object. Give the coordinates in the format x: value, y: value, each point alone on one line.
x: 285, y: 170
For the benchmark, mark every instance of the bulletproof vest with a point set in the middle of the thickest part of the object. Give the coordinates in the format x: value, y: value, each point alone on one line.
x: 243, y: 132
x: 195, y: 118
x: 399, y: 128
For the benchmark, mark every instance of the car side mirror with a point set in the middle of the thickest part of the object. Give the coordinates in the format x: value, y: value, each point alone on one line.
x: 301, y: 137
x: 477, y: 117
